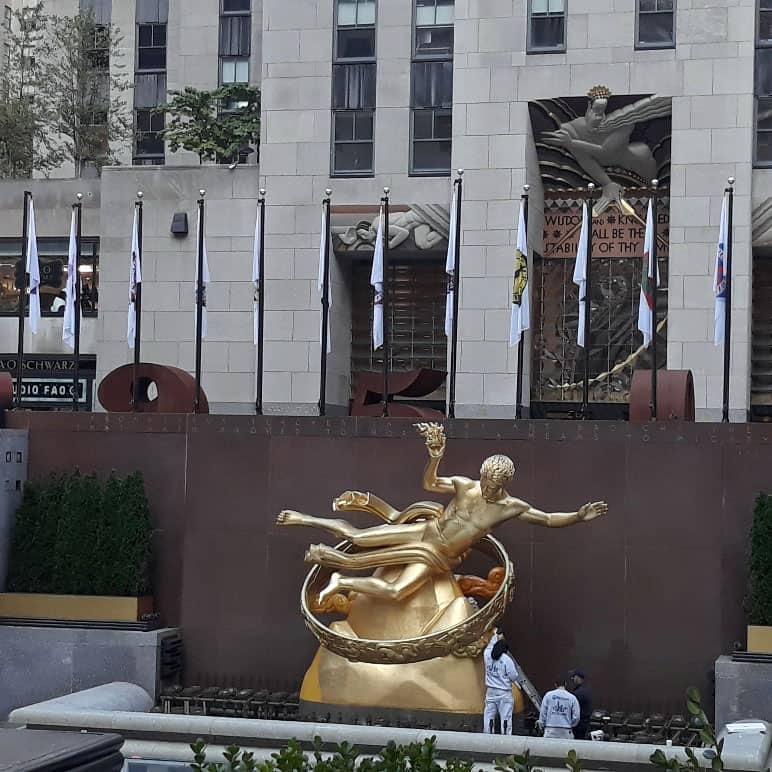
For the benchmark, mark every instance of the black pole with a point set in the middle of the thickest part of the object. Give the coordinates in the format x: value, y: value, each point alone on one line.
x: 728, y: 301
x: 199, y: 299
x: 22, y: 297
x: 76, y: 284
x: 456, y: 290
x: 260, y: 306
x: 520, y: 347
x: 386, y: 326
x: 588, y: 309
x: 325, y: 305
x: 654, y: 290
x: 137, y: 306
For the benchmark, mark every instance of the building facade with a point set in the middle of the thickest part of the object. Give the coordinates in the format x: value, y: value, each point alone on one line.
x: 362, y: 95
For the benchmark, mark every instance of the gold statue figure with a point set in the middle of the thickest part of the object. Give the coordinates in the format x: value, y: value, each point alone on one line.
x: 411, y: 610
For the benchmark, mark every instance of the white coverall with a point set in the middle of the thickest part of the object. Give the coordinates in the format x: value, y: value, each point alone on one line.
x: 559, y: 714
x: 500, y: 675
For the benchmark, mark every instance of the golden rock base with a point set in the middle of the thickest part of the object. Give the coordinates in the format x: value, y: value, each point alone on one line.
x: 759, y: 639
x: 443, y: 684
x: 95, y: 608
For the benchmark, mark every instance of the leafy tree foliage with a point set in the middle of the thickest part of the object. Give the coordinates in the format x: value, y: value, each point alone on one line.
x: 214, y: 125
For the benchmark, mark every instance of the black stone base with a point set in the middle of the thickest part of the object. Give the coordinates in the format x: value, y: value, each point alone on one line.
x: 398, y: 717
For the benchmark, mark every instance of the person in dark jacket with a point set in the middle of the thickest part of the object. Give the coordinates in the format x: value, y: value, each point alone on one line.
x: 577, y: 684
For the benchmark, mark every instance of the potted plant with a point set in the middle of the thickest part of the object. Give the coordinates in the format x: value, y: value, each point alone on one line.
x: 760, y: 591
x: 80, y: 550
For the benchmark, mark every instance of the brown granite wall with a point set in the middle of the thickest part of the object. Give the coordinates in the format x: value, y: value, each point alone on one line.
x: 644, y: 599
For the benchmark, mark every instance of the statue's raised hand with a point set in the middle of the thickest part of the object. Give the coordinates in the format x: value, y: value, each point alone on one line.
x: 591, y: 511
x: 434, y: 437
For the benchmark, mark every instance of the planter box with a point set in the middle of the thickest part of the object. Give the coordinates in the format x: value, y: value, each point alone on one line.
x: 92, y: 608
x: 759, y: 639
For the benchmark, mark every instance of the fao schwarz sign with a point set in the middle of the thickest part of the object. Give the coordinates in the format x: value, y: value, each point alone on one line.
x: 48, y: 381
x: 51, y: 390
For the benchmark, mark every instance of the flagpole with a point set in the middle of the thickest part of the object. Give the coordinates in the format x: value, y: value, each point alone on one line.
x: 588, y: 309
x: 260, y: 307
x: 520, y: 357
x: 325, y: 305
x: 729, y: 190
x: 22, y: 293
x: 76, y: 285
x: 199, y: 298
x: 456, y: 291
x: 137, y: 305
x: 654, y: 279
x: 386, y: 329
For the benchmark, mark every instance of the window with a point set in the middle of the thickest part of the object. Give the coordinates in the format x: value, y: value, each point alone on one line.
x: 52, y: 254
x: 434, y: 28
x: 235, y: 41
x: 149, y: 89
x: 148, y: 139
x: 235, y: 35
x: 151, y: 50
x: 150, y: 81
x: 353, y: 88
x: 763, y: 85
x: 152, y: 11
x: 431, y: 88
x: 765, y: 21
x: 102, y: 10
x: 355, y: 30
x: 546, y: 26
x: 655, y: 24
x: 234, y: 71
x: 7, y: 16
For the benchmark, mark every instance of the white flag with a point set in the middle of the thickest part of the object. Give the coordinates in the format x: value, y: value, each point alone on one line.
x: 33, y: 269
x: 376, y: 280
x: 135, y: 279
x: 256, y: 279
x: 521, y: 296
x: 68, y: 327
x: 719, y: 276
x: 205, y: 279
x: 450, y: 267
x: 580, y: 275
x: 320, y: 283
x: 646, y: 300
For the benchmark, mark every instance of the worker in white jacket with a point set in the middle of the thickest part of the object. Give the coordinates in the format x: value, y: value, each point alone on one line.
x: 500, y: 676
x: 559, y: 712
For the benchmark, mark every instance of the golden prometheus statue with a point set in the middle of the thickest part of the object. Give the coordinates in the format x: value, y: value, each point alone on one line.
x: 411, y: 638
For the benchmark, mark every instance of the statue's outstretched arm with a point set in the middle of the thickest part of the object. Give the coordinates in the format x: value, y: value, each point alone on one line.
x: 434, y: 437
x: 556, y: 519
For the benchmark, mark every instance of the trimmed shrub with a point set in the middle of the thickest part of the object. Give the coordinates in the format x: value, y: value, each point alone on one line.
x: 760, y: 595
x: 75, y: 535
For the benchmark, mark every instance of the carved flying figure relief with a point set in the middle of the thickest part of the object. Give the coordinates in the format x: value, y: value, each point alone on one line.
x: 603, y: 144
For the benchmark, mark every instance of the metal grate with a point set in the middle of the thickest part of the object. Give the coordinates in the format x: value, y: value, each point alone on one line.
x: 761, y: 338
x: 416, y: 321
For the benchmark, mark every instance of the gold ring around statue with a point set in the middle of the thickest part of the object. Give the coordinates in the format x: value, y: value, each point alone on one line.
x: 465, y: 639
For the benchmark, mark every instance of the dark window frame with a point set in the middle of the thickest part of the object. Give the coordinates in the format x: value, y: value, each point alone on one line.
x: 338, y: 62
x: 427, y: 60
x: 533, y: 49
x: 763, y: 51
x: 645, y: 46
x: 152, y: 47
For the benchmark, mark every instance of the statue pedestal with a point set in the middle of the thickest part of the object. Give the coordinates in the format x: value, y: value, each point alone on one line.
x: 441, y: 685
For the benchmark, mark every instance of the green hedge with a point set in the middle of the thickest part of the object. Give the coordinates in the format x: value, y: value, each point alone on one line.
x: 760, y: 596
x: 75, y: 535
